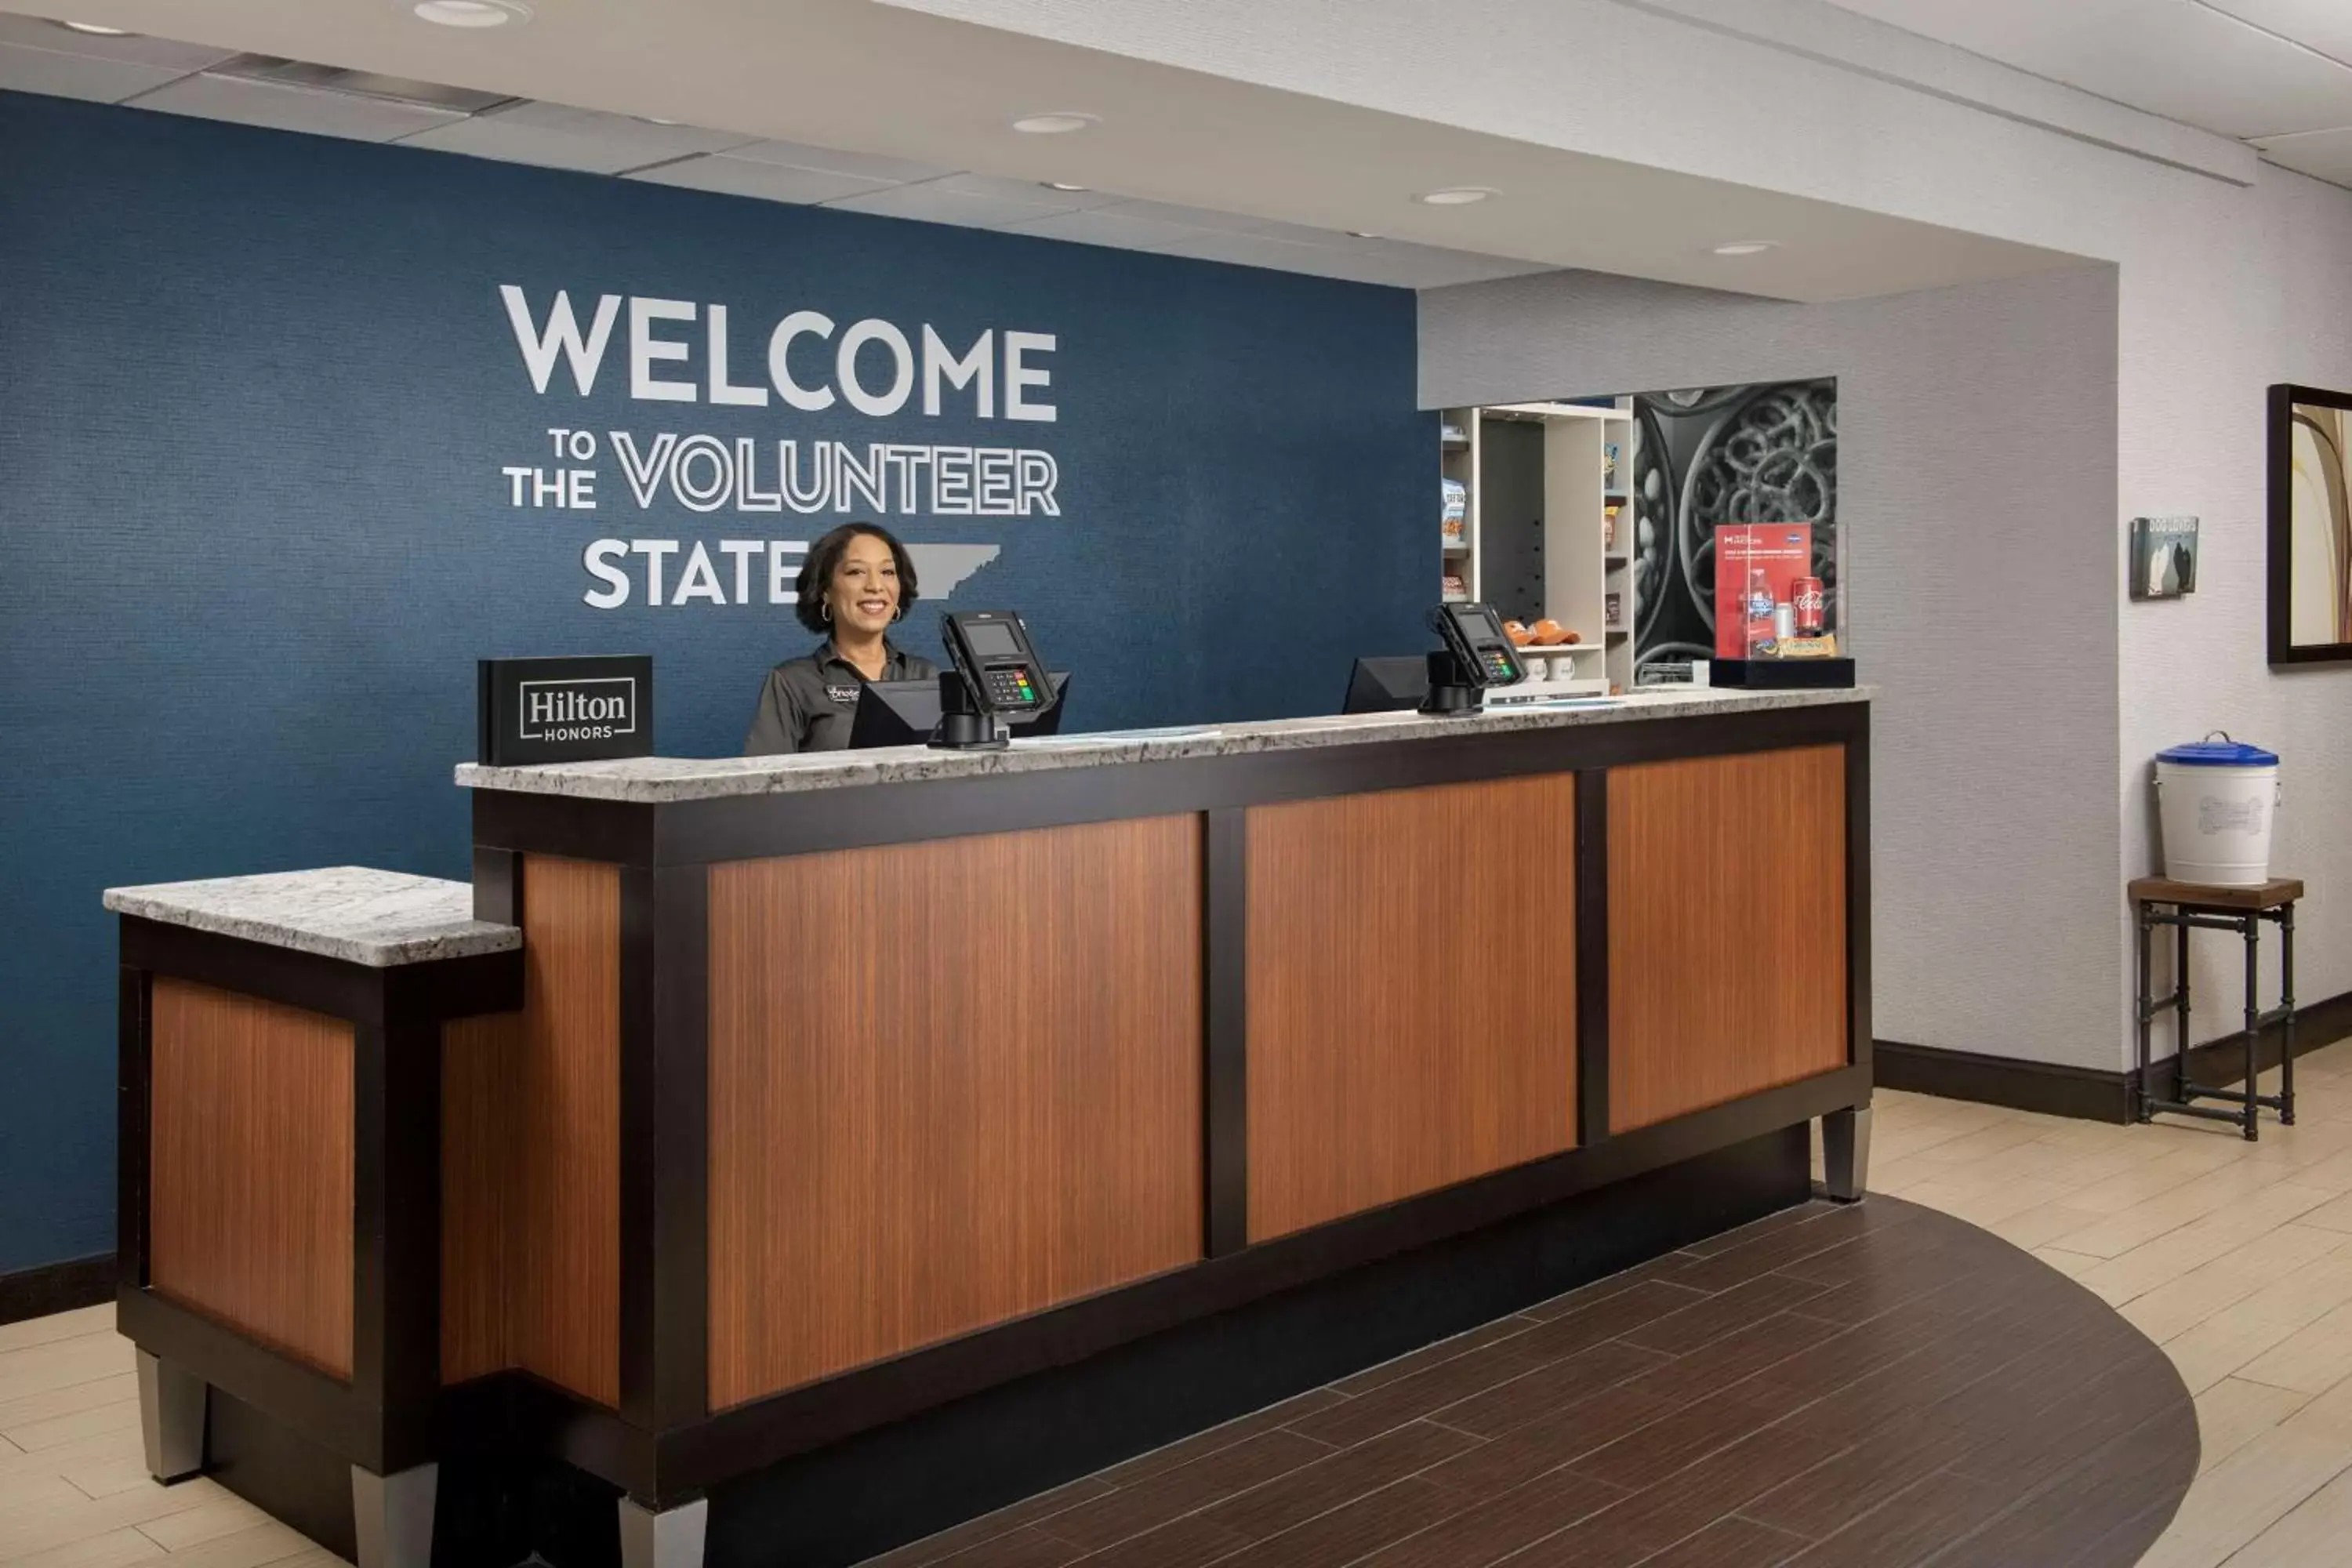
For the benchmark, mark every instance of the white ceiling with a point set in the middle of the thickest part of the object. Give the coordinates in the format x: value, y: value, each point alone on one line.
x: 2276, y: 74
x: 1200, y: 166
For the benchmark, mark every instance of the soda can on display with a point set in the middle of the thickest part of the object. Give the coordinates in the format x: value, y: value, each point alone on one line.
x: 1811, y: 604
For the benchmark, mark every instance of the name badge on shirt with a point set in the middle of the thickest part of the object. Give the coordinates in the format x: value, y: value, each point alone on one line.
x: 845, y: 695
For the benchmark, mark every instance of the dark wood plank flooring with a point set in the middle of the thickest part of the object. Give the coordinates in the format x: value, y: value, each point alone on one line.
x: 1869, y: 1387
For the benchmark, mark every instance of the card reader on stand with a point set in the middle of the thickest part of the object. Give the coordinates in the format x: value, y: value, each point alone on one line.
x: 1477, y: 655
x: 995, y: 677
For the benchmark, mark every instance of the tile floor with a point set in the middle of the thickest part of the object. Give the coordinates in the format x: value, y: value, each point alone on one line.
x: 2236, y: 1258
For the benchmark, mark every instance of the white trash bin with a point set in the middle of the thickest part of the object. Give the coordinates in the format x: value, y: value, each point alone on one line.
x: 2217, y: 799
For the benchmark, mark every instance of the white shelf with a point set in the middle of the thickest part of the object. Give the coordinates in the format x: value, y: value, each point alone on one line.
x: 1453, y: 546
x: 1538, y: 650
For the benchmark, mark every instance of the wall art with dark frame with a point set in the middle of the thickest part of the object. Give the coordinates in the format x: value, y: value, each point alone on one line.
x: 2310, y: 526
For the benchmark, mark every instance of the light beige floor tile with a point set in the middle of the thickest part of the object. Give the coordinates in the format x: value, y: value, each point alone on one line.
x: 41, y: 1528
x: 2209, y: 1192
x: 2327, y: 1416
x: 111, y: 1389
x: 52, y: 1461
x: 209, y: 1521
x: 122, y: 1416
x: 2220, y: 1345
x: 109, y: 1550
x: 2132, y: 1274
x: 2312, y: 1360
x: 2317, y: 1532
x: 2074, y: 1265
x: 2048, y: 1225
x: 2232, y: 1413
x: 250, y: 1547
x: 1984, y: 1200
x: 2245, y: 1494
x: 98, y: 1320
x: 2270, y: 1258
x: 2335, y: 1215
x: 38, y: 1369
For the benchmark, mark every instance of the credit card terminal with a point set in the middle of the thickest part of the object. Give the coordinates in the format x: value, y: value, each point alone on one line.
x: 1474, y: 635
x: 990, y: 649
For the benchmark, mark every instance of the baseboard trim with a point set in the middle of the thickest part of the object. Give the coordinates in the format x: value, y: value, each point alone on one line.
x: 56, y: 1287
x: 2048, y: 1087
x: 2087, y: 1093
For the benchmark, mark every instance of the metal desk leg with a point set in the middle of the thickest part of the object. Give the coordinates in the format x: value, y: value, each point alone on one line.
x: 1845, y: 1153
x: 171, y: 1418
x: 671, y: 1539
x: 2141, y: 1090
x: 2252, y: 926
x: 2286, y: 1028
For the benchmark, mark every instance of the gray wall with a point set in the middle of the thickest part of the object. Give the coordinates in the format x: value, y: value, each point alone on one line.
x: 1977, y: 492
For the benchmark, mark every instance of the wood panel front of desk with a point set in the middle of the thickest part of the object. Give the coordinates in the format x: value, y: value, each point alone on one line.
x: 960, y: 1081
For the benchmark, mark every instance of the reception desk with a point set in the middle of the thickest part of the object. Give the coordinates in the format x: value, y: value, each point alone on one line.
x: 760, y: 1109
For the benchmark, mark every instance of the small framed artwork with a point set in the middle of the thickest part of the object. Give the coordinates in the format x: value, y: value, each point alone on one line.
x: 2163, y: 557
x: 2310, y: 526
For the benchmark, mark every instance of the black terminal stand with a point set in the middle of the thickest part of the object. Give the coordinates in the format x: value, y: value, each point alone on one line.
x: 1451, y: 687
x: 963, y: 727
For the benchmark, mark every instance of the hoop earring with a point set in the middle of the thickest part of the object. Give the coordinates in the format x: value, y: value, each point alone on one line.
x: 827, y: 606
x: 900, y: 614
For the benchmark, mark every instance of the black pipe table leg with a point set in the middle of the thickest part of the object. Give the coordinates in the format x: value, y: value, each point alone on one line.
x: 2252, y: 926
x: 2286, y: 1006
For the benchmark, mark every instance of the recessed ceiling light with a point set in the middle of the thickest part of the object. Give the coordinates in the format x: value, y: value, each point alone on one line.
x: 1060, y: 123
x: 95, y: 31
x: 475, y: 14
x: 1747, y: 246
x: 655, y: 120
x: 1062, y: 185
x: 1455, y: 196
x: 1362, y: 234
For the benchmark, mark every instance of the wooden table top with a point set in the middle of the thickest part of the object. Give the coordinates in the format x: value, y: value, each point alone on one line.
x: 2269, y: 895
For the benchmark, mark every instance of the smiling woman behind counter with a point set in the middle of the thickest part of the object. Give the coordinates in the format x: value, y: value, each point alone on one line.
x: 856, y: 581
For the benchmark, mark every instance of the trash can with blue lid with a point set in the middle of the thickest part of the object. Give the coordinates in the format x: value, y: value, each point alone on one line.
x: 2217, y: 799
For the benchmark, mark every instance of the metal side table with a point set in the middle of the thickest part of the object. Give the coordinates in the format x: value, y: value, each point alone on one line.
x: 2184, y: 906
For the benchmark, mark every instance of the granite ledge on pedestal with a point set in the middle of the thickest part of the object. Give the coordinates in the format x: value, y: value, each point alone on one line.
x: 655, y: 780
x: 381, y: 919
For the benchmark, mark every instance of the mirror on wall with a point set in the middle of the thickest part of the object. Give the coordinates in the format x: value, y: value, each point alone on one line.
x: 2310, y: 526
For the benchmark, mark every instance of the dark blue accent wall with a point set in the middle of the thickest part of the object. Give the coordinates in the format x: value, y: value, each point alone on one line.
x: 255, y: 391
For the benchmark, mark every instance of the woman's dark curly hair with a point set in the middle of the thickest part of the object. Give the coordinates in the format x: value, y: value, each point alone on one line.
x: 817, y: 573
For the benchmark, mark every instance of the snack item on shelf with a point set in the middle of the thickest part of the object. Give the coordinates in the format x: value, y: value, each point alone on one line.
x: 1609, y: 528
x: 1451, y: 586
x: 1548, y: 633
x: 1571, y: 635
x: 1519, y: 635
x: 1455, y: 499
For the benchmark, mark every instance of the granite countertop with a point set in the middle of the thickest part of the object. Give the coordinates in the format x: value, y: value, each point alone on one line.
x: 380, y: 918
x: 664, y: 780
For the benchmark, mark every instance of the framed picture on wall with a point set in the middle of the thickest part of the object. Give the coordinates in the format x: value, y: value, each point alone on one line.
x: 2310, y: 526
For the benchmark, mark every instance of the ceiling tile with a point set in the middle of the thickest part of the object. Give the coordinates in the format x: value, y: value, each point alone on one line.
x: 564, y: 138
x: 930, y: 204
x: 1026, y: 192
x: 24, y: 69
x: 2181, y: 58
x: 2322, y: 25
x: 866, y: 167
x: 165, y: 54
x: 293, y: 108
x: 2323, y: 154
x: 1106, y: 225
x: 729, y: 175
x: 1193, y: 217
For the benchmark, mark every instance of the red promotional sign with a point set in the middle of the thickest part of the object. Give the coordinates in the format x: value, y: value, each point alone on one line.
x: 1755, y: 565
